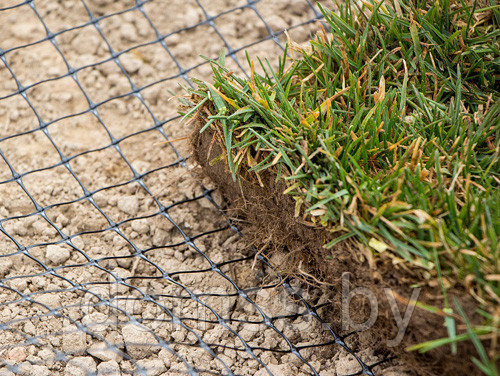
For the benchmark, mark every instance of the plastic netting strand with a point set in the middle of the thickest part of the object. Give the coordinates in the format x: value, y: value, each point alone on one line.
x: 69, y: 294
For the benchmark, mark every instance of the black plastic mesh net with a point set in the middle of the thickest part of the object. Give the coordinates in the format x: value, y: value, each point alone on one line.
x: 114, y: 257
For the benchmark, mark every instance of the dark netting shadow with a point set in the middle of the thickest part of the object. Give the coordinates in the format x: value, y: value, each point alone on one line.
x: 114, y: 259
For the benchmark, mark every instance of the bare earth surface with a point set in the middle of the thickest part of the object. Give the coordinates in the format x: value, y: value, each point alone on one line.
x: 113, y: 258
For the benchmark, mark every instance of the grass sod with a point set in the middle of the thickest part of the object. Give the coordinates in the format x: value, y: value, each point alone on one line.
x: 386, y: 131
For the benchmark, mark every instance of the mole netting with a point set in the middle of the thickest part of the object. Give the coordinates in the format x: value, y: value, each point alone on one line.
x: 114, y: 257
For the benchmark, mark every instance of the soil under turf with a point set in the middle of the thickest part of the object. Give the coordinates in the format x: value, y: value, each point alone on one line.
x: 269, y: 222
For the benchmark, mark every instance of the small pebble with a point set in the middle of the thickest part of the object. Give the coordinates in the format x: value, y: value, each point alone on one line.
x: 160, y: 237
x: 152, y: 367
x: 103, y: 352
x: 62, y: 220
x: 347, y: 365
x: 49, y: 300
x: 138, y: 342
x: 24, y: 31
x: 14, y: 115
x: 17, y: 354
x: 48, y: 356
x: 141, y: 226
x: 19, y: 284
x: 109, y: 368
x: 37, y: 370
x: 78, y: 242
x: 191, y: 16
x: 128, y: 32
x: 80, y: 366
x: 173, y: 40
x: 130, y: 63
x: 129, y: 205
x: 56, y: 254
x: 74, y: 341
x: 276, y: 370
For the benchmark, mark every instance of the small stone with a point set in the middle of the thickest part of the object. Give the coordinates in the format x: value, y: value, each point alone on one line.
x: 166, y: 356
x: 152, y: 367
x: 141, y: 226
x: 109, y: 368
x: 128, y: 32
x: 173, y: 40
x: 14, y: 115
x: 228, y: 30
x: 57, y: 254
x: 80, y: 366
x: 179, y: 335
x: 142, y: 26
x: 151, y: 95
x: 179, y: 256
x: 184, y: 49
x: 191, y: 16
x: 249, y: 331
x: 48, y: 356
x: 49, y: 300
x: 29, y: 328
x: 37, y: 370
x: 63, y: 96
x: 147, y: 70
x: 123, y: 260
x: 19, y: 284
x: 99, y: 322
x: 227, y: 361
x: 130, y: 63
x: 74, y: 341
x: 24, y: 31
x: 100, y: 197
x: 276, y: 370
x: 347, y: 365
x: 129, y: 205
x: 160, y: 237
x: 163, y: 223
x: 17, y: 354
x: 119, y: 241
x: 62, y: 220
x: 78, y: 242
x: 139, y: 342
x: 103, y: 352
x: 54, y: 71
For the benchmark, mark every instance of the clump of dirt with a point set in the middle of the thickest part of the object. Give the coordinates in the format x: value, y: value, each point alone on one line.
x: 297, y: 249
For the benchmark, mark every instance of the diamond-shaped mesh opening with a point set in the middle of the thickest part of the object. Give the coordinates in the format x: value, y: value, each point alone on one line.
x: 29, y: 152
x: 127, y: 30
x: 57, y: 99
x: 49, y: 64
x: 17, y: 117
x: 19, y: 25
